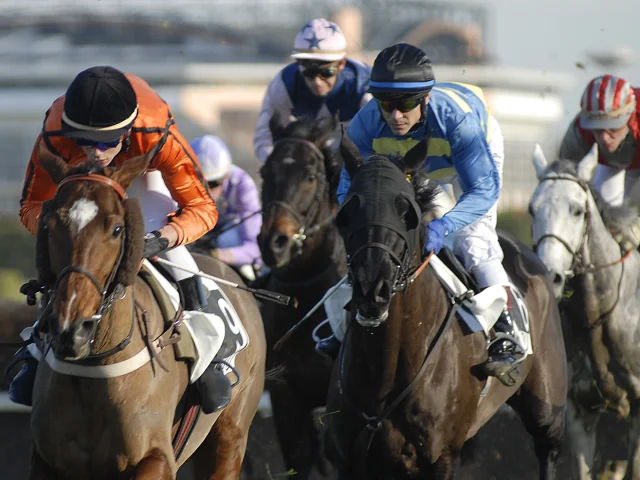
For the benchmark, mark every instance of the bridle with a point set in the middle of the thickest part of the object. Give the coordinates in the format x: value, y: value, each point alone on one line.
x: 577, y: 266
x: 109, y: 292
x: 308, y: 223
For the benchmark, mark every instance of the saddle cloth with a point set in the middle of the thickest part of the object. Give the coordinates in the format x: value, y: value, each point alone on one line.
x: 479, y: 311
x: 217, y: 333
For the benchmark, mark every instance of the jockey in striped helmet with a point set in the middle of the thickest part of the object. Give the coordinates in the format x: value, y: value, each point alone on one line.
x: 609, y: 118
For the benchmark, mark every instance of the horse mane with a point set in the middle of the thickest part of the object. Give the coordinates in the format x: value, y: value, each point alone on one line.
x: 613, y: 216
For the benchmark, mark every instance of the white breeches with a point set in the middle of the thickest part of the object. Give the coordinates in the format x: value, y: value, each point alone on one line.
x: 156, y: 203
x: 614, y: 184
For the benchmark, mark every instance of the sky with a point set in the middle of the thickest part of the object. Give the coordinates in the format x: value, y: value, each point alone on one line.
x: 557, y: 34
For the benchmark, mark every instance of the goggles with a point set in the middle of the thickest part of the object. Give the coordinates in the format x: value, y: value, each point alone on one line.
x: 403, y: 106
x: 322, y: 72
x: 99, y: 145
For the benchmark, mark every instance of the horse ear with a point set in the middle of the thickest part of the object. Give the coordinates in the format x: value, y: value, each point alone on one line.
x: 588, y: 164
x: 417, y: 155
x: 539, y: 161
x: 350, y: 154
x: 55, y: 166
x: 130, y: 169
x: 277, y: 125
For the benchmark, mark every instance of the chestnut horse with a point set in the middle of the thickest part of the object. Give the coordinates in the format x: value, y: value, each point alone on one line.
x: 405, y: 395
x: 101, y: 313
x: 301, y: 245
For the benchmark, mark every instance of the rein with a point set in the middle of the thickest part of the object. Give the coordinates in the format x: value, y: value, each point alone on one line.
x: 577, y: 267
x: 373, y: 423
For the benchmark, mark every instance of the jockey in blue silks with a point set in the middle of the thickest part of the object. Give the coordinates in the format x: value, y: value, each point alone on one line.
x: 465, y: 156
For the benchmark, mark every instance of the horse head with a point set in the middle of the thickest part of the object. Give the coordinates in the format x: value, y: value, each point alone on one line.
x: 380, y: 223
x: 300, y: 180
x: 89, y: 245
x: 561, y: 208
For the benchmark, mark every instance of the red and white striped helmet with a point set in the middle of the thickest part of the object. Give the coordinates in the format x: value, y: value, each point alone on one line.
x: 607, y: 103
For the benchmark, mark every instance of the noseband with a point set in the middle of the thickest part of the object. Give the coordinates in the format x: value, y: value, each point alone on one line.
x: 307, y: 226
x: 106, y: 298
x: 577, y: 266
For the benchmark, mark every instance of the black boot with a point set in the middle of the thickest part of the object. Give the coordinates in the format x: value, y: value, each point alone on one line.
x: 502, y: 361
x: 329, y: 347
x: 215, y: 389
x: 21, y: 388
x: 194, y: 292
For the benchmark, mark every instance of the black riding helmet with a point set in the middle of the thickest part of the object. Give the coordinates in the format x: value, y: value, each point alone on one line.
x: 401, y: 71
x: 100, y: 105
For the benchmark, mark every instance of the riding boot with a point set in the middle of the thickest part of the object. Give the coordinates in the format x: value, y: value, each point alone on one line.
x: 502, y: 362
x: 329, y: 347
x: 194, y: 292
x: 21, y: 388
x: 215, y: 389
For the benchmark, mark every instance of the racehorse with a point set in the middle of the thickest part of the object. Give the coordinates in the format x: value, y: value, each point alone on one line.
x: 405, y: 395
x: 571, y: 234
x: 101, y: 314
x: 301, y: 245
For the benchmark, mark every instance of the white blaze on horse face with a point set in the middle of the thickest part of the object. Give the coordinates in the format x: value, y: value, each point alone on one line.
x: 558, y: 208
x: 67, y: 322
x: 82, y: 212
x: 288, y: 161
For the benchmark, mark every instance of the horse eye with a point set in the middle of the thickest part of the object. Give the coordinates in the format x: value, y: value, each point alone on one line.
x: 578, y: 212
x: 311, y: 178
x: 118, y: 229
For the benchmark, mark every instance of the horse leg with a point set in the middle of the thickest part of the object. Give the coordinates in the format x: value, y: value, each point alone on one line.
x: 446, y: 466
x: 541, y: 405
x: 220, y: 455
x: 295, y: 428
x: 154, y: 466
x: 633, y: 468
x: 39, y: 469
x: 582, y: 439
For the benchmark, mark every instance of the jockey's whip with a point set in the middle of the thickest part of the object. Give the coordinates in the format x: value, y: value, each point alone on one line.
x: 234, y: 224
x: 292, y: 330
x: 258, y: 292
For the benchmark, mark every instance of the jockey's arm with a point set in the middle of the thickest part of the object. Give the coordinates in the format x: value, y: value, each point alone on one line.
x: 182, y: 175
x: 574, y: 146
x: 362, y: 139
x: 276, y: 98
x: 477, y: 173
x: 38, y: 187
x: 248, y: 202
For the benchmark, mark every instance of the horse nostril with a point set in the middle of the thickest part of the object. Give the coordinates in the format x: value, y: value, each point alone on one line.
x: 279, y: 242
x: 381, y: 292
x: 558, y: 279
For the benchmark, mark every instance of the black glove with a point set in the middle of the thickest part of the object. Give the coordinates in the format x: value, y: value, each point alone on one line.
x: 153, y: 244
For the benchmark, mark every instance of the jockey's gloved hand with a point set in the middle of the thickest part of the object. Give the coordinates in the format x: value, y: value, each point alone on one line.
x: 153, y: 244
x: 437, y: 231
x: 628, y: 236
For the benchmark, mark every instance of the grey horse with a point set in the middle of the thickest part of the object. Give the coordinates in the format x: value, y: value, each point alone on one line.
x: 601, y: 288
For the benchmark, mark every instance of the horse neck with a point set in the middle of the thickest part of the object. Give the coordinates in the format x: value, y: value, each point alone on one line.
x: 600, y: 249
x: 115, y: 327
x: 382, y: 361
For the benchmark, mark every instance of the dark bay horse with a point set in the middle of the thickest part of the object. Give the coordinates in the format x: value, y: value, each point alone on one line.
x: 300, y: 243
x: 405, y: 395
x: 122, y: 427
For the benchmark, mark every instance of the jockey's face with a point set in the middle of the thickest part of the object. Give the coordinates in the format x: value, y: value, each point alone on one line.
x: 216, y: 187
x: 401, y: 122
x: 321, y: 77
x: 102, y: 153
x: 610, y: 139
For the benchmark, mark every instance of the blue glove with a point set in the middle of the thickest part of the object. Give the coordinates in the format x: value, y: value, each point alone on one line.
x: 437, y: 230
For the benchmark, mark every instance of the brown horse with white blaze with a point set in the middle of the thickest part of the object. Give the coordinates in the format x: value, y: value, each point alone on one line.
x: 102, y: 314
x: 406, y: 393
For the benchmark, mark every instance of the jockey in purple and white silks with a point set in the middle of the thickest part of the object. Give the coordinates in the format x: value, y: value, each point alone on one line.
x: 238, y: 201
x: 320, y: 82
x: 465, y: 156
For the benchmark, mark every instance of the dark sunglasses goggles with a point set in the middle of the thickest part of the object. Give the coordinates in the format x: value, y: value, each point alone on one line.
x: 403, y: 106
